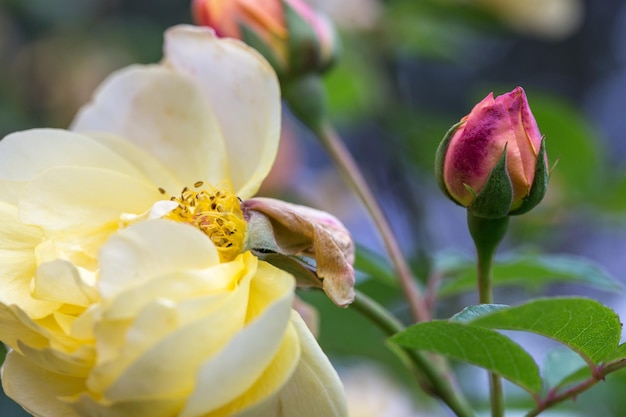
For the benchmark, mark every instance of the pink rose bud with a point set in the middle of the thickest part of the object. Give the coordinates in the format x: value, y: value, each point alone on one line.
x: 493, y: 161
x: 279, y: 228
x: 292, y: 36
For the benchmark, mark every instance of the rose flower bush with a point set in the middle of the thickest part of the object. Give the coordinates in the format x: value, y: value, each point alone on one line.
x: 127, y: 286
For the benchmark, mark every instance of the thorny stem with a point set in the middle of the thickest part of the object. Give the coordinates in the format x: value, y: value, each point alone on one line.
x: 348, y: 167
x: 553, y: 398
x: 423, y: 367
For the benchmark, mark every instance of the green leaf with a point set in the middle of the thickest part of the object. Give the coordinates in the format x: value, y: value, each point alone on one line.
x: 473, y: 312
x: 482, y: 347
x: 564, y: 366
x: 620, y: 353
x: 584, y: 325
x: 527, y: 270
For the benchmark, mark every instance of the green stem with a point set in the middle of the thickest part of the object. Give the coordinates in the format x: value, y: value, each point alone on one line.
x: 422, y: 366
x: 487, y: 235
x: 306, y: 98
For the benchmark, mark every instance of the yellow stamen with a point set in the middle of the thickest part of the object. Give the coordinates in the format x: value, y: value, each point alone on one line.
x: 217, y: 213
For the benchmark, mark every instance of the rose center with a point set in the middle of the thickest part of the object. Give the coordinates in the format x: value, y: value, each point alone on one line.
x: 217, y: 213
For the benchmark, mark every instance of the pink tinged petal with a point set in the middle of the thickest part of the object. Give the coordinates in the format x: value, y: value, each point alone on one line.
x: 79, y: 198
x: 476, y: 147
x: 309, y: 314
x: 163, y: 113
x: 245, y: 93
x: 314, y: 389
x: 300, y: 230
x: 528, y: 138
x: 38, y: 390
x: 140, y: 253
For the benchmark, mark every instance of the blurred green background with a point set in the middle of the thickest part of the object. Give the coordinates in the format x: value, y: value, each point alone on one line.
x: 409, y: 70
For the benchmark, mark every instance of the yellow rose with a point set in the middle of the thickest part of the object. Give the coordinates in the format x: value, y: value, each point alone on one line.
x: 202, y: 125
x: 179, y: 141
x: 175, y: 333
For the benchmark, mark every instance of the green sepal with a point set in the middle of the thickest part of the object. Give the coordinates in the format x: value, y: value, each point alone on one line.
x: 305, y: 274
x: 494, y: 200
x: 253, y: 40
x: 440, y: 156
x: 303, y: 45
x: 540, y: 184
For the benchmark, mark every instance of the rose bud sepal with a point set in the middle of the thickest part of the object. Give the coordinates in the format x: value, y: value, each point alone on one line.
x: 440, y: 157
x: 496, y: 197
x: 539, y: 186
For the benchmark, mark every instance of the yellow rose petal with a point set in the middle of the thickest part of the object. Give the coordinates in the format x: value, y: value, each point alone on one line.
x: 314, y: 389
x: 75, y: 198
x: 59, y: 281
x: 245, y: 94
x: 163, y: 113
x: 36, y: 389
x: 141, y: 252
x: 24, y: 155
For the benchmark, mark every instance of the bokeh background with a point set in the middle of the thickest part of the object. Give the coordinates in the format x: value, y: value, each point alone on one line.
x: 409, y: 69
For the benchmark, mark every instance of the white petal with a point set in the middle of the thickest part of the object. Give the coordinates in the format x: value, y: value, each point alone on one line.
x: 244, y: 92
x: 163, y: 113
x: 37, y: 390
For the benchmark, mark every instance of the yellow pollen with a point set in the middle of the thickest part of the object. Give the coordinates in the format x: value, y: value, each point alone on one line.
x: 217, y: 213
